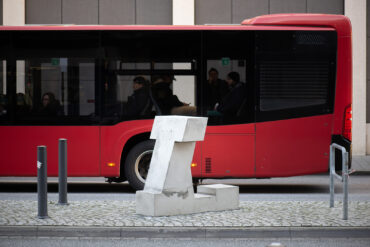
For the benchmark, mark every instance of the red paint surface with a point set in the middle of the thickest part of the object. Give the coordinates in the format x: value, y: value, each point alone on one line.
x: 18, y: 145
x: 196, y: 171
x: 340, y: 23
x: 293, y: 147
x: 231, y: 150
x: 343, y: 90
x: 113, y: 139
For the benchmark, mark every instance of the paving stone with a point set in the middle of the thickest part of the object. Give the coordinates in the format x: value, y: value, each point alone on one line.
x: 118, y: 213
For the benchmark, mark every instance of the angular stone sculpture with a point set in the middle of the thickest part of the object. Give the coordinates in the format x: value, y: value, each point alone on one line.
x: 169, y: 189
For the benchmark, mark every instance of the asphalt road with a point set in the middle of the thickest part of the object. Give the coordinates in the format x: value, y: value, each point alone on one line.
x: 312, y: 187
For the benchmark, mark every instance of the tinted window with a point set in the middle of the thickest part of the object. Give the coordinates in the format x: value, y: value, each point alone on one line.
x: 4, y: 99
x: 4, y: 78
x: 148, y: 73
x: 295, y: 73
x: 227, y: 83
x: 55, y: 75
x: 55, y: 90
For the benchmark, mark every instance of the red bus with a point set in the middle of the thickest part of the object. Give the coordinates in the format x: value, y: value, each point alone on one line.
x: 277, y: 91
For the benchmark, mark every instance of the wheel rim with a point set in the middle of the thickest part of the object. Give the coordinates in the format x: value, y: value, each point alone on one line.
x: 142, y: 165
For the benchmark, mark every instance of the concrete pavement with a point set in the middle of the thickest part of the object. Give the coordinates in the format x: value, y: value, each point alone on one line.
x: 118, y: 219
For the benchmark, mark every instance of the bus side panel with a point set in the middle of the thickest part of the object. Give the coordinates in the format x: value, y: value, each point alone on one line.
x: 18, y: 147
x: 343, y: 91
x: 114, y: 138
x: 229, y: 151
x: 196, y: 167
x: 293, y: 147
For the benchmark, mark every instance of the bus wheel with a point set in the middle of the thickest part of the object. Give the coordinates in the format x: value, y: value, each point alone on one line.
x: 137, y: 164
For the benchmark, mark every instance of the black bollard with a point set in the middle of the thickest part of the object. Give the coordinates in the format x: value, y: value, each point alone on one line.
x: 42, y: 183
x: 62, y: 172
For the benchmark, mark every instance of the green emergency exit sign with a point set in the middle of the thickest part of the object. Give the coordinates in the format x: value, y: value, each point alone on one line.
x: 55, y: 61
x: 225, y: 61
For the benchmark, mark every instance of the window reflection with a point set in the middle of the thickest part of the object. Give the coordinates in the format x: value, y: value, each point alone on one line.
x: 136, y: 91
x: 50, y: 88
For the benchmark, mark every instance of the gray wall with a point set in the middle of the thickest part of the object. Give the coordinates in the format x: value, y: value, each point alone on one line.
x: 108, y: 12
x: 1, y: 12
x: 115, y: 12
x: 36, y: 14
x: 80, y: 12
x: 235, y: 11
x: 155, y: 12
x: 160, y: 11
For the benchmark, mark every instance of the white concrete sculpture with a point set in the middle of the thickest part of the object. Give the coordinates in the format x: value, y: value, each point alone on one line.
x: 169, y: 189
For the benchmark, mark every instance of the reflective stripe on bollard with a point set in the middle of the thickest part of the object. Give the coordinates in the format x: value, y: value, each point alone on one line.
x: 42, y: 183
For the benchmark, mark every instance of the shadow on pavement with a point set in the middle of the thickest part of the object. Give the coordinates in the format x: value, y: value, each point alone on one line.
x: 125, y: 188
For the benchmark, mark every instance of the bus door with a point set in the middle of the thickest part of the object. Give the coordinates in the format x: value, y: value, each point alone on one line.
x: 295, y: 75
x: 228, y: 149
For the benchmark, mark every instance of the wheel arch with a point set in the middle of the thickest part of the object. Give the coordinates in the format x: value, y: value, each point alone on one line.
x: 128, y: 146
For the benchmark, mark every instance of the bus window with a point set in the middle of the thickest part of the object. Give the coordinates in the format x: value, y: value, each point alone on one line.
x: 3, y: 92
x: 142, y: 90
x: 295, y: 73
x: 227, y: 85
x: 184, y: 85
x: 54, y: 90
x: 225, y: 91
x: 127, y: 97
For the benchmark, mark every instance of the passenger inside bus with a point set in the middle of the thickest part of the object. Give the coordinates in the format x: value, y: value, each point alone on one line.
x: 139, y: 103
x: 215, y: 89
x: 232, y: 101
x: 22, y: 107
x: 166, y: 100
x: 50, y: 106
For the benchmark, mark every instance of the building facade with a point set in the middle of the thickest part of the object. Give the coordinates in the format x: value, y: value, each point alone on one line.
x: 190, y: 12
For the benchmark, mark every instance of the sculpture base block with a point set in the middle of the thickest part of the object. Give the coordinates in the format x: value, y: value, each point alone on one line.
x: 216, y: 197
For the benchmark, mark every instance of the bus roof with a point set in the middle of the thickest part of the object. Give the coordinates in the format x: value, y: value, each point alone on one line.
x: 340, y: 23
x: 266, y: 22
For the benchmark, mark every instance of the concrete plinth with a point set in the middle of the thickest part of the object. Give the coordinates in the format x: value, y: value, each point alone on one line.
x: 169, y: 189
x: 217, y: 197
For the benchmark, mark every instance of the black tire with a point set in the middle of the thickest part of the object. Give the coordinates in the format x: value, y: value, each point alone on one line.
x: 137, y: 164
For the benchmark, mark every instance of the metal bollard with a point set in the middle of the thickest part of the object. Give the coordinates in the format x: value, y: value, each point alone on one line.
x: 331, y: 170
x: 343, y: 178
x: 42, y: 183
x: 62, y: 187
x: 345, y: 186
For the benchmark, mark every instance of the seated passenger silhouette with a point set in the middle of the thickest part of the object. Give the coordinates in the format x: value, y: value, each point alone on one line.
x: 232, y: 101
x: 22, y: 108
x: 163, y: 95
x: 214, y: 89
x: 50, y: 106
x: 139, y: 102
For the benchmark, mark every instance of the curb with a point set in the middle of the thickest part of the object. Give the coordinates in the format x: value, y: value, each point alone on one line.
x: 186, y: 232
